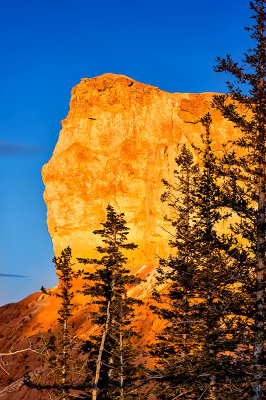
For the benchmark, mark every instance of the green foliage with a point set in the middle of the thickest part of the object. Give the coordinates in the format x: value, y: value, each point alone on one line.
x: 58, y: 346
x: 111, y: 354
x: 244, y: 171
x: 204, y: 307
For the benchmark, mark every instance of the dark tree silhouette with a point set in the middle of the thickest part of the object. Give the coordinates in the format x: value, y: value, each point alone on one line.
x: 62, y: 374
x: 111, y: 353
x: 204, y: 305
x: 245, y: 168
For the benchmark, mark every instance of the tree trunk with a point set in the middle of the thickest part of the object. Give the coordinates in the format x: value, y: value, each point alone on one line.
x: 121, y: 354
x: 260, y: 250
x: 99, y: 359
x: 260, y: 296
x: 212, y: 387
x: 65, y: 350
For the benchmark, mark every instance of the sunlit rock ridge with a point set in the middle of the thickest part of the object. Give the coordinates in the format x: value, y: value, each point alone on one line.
x: 117, y: 142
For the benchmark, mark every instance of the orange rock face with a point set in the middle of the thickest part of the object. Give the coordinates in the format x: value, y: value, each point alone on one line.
x: 119, y: 140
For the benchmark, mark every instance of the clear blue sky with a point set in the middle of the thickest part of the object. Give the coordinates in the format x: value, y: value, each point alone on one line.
x: 46, y: 48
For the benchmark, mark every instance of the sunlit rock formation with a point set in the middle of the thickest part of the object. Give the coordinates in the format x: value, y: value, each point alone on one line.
x: 119, y: 140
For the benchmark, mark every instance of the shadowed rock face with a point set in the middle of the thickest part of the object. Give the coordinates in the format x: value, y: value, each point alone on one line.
x: 118, y: 141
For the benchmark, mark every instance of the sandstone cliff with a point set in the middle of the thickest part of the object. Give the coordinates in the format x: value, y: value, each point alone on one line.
x: 118, y: 141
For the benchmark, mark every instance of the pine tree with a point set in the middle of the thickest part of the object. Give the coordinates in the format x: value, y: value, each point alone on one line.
x: 203, y: 308
x: 115, y: 372
x: 58, y: 346
x: 245, y: 170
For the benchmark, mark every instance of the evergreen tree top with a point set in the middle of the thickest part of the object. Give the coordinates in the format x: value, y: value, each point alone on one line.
x: 115, y: 231
x: 247, y: 86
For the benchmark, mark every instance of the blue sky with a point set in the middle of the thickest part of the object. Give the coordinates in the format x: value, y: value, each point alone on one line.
x: 46, y: 48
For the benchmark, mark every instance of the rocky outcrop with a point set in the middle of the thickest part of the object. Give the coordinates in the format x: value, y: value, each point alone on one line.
x: 118, y: 141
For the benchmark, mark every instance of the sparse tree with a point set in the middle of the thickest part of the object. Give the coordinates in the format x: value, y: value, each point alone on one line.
x: 110, y: 352
x: 58, y: 346
x: 245, y: 172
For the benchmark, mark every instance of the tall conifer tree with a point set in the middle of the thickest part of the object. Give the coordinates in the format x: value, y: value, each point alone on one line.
x: 246, y: 173
x: 203, y: 311
x: 111, y: 353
